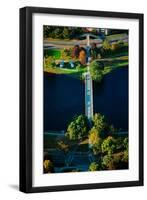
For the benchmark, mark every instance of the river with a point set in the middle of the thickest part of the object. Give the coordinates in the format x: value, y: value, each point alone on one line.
x: 64, y: 98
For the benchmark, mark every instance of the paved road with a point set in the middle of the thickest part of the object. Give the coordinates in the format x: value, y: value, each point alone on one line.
x: 122, y: 133
x: 63, y: 43
x: 60, y: 43
x: 55, y: 133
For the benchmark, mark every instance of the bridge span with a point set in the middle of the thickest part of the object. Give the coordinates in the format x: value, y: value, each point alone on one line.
x: 88, y: 95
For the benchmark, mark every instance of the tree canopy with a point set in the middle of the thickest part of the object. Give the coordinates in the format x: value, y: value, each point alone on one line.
x: 109, y: 145
x: 48, y: 166
x: 106, y: 45
x: 99, y: 122
x: 96, y: 71
x: 62, y: 32
x: 94, y: 136
x: 93, y: 166
x: 78, y: 128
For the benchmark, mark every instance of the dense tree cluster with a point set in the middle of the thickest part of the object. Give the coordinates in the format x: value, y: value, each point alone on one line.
x: 78, y: 128
x: 61, y: 32
x: 64, y: 32
x: 111, y: 150
x: 96, y: 70
x: 110, y: 48
x: 114, y: 153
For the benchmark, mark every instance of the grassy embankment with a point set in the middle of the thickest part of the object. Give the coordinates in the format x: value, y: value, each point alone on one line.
x: 110, y: 63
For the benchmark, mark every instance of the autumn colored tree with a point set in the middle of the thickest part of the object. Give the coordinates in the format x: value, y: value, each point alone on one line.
x: 106, y: 45
x: 48, y: 166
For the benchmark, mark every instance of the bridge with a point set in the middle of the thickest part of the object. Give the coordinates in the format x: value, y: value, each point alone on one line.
x: 88, y: 95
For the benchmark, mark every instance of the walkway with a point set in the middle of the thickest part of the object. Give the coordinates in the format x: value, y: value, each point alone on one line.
x: 88, y: 95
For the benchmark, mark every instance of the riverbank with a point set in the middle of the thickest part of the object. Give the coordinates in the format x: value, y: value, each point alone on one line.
x: 76, y: 73
x: 110, y: 64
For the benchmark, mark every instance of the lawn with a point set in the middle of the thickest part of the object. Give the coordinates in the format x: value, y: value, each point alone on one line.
x: 76, y: 73
x: 56, y: 53
x: 116, y: 36
x: 114, y: 63
x: 109, y: 63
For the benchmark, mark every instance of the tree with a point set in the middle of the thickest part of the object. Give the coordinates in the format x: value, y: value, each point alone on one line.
x: 48, y: 166
x: 99, y: 122
x: 94, y: 136
x: 114, y: 46
x: 66, y: 33
x: 125, y: 143
x: 47, y: 31
x: 115, y: 161
x: 96, y: 71
x: 107, y: 161
x: 106, y: 45
x: 109, y: 145
x: 49, y: 62
x: 94, y: 140
x: 125, y: 156
x: 78, y: 128
x: 97, y: 148
x: 61, y: 32
x: 58, y: 32
x: 63, y: 146
x: 93, y: 166
x: 66, y: 54
x: 106, y: 49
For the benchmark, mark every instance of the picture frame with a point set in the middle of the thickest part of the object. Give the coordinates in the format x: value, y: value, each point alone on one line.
x: 28, y: 56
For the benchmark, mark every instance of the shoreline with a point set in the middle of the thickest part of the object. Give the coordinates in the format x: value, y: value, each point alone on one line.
x: 79, y: 73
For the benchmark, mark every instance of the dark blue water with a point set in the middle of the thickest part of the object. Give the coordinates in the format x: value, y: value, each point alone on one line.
x: 64, y: 98
x: 111, y: 98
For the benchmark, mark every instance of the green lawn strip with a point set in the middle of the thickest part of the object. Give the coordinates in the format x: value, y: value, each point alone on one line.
x: 113, y: 63
x: 115, y: 36
x: 124, y: 53
x: 77, y: 73
x: 56, y: 53
x: 116, y: 58
x: 110, y: 68
x: 109, y: 63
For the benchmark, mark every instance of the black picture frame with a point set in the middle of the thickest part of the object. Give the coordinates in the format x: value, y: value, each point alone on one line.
x: 26, y: 93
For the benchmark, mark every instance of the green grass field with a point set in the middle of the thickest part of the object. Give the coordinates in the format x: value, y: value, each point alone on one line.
x: 115, y: 36
x: 56, y: 53
x: 77, y: 73
x: 109, y: 63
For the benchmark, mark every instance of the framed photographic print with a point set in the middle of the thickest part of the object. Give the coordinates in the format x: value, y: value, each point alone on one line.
x: 81, y: 99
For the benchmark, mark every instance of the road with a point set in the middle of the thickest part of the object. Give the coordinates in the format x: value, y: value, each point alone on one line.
x: 63, y: 43
x: 75, y: 159
x: 55, y: 133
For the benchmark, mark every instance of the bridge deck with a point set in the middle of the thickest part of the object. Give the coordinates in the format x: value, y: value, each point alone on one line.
x: 88, y: 96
